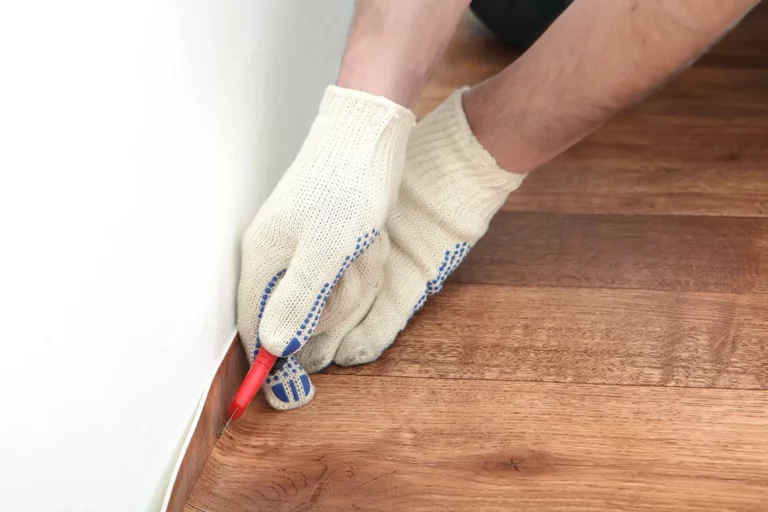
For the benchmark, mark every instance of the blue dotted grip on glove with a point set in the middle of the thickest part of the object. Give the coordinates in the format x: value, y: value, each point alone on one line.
x: 281, y: 376
x: 306, y: 328
x: 451, y: 260
x: 282, y: 379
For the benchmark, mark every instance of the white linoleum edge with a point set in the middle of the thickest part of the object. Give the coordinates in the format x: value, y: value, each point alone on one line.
x: 193, y: 425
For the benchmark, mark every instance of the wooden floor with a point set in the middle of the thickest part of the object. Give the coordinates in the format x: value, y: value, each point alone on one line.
x: 604, y: 347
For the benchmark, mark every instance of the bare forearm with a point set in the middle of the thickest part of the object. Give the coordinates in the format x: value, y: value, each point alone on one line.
x: 394, y: 45
x: 598, y: 58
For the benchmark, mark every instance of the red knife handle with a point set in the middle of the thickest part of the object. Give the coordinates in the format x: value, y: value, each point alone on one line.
x: 253, y: 380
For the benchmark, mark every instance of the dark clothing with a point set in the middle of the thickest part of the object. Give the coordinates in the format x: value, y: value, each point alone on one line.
x: 518, y: 23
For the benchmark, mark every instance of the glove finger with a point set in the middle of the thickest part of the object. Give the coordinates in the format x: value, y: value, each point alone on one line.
x: 288, y: 386
x: 294, y: 309
x: 365, y: 273
x: 401, y: 294
x: 319, y: 352
x: 262, y: 268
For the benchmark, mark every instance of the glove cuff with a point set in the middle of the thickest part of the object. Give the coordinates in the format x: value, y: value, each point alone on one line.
x: 340, y: 101
x: 445, y: 158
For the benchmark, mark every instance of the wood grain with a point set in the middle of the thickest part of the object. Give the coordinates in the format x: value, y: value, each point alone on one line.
x: 382, y: 444
x: 228, y: 377
x: 707, y: 254
x: 657, y: 165
x: 604, y: 346
x: 622, y: 337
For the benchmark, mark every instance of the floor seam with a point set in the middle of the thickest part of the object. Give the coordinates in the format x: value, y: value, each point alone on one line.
x: 598, y: 288
x: 559, y: 383
x: 634, y: 214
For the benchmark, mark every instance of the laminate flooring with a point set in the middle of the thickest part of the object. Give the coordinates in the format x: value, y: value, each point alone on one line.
x: 604, y: 346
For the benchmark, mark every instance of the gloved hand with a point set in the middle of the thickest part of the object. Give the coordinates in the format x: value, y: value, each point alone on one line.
x: 451, y: 189
x: 322, y: 222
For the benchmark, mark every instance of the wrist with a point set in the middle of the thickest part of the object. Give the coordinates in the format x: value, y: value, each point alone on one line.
x: 382, y: 74
x: 512, y: 150
x: 394, y: 45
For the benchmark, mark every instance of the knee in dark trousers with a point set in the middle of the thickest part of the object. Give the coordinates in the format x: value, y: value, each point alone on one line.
x: 518, y: 23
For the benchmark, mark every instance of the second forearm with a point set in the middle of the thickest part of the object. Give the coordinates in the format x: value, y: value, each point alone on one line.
x: 394, y: 45
x: 598, y: 58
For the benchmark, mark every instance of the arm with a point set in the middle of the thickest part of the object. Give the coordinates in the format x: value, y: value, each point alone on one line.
x: 326, y: 217
x: 393, y: 45
x: 598, y: 58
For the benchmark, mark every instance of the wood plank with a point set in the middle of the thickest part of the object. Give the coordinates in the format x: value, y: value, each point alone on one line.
x: 713, y: 182
x: 706, y: 254
x: 674, y: 154
x: 382, y: 444
x: 653, y: 166
x: 744, y: 46
x: 623, y: 337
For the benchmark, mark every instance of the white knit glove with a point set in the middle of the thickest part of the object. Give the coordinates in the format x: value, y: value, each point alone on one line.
x: 451, y: 189
x: 323, y: 221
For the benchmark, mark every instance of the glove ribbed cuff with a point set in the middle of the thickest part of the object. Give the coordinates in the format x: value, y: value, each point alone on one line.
x: 339, y: 101
x: 450, y: 162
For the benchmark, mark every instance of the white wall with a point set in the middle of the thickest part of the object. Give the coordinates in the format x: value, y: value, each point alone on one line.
x: 137, y: 140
